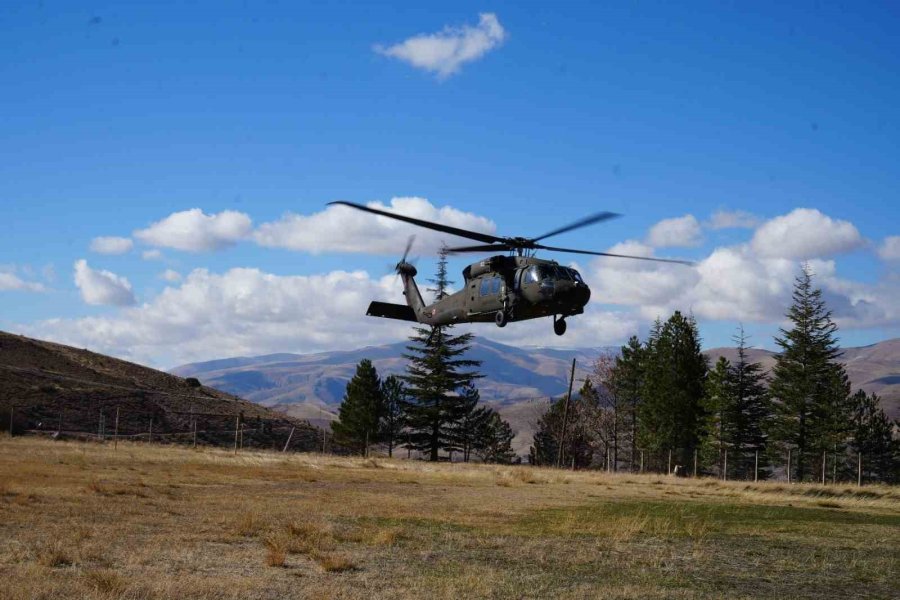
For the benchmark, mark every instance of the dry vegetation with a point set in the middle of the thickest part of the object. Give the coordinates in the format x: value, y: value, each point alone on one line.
x: 83, y: 520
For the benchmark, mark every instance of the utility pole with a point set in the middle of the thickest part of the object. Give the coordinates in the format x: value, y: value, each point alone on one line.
x: 562, y: 435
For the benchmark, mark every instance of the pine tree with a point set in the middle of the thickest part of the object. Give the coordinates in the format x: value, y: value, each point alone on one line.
x: 628, y: 379
x: 493, y: 439
x: 360, y: 410
x: 671, y: 414
x: 434, y: 374
x: 577, y: 445
x: 465, y: 421
x: 392, y: 417
x: 746, y: 413
x: 809, y: 387
x: 718, y: 398
x: 872, y: 437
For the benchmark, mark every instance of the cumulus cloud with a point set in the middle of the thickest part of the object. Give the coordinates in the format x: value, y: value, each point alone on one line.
x: 194, y: 231
x: 733, y: 219
x: 153, y: 254
x: 239, y: 312
x: 102, y: 287
x: 446, y: 51
x: 11, y: 282
x: 343, y: 229
x: 170, y: 275
x: 111, y: 245
x: 890, y: 248
x: 738, y: 283
x: 805, y: 233
x: 680, y: 232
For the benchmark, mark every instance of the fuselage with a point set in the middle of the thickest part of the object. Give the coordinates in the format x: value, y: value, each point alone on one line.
x: 519, y: 286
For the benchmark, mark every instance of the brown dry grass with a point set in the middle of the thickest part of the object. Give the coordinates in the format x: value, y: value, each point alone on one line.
x: 146, y: 522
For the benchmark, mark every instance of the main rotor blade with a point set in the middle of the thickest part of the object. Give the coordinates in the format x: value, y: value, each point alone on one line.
x: 665, y: 260
x: 472, y: 235
x: 485, y: 248
x: 596, y: 218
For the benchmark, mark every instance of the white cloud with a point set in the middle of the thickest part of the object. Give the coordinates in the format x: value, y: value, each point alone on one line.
x: 680, y: 232
x: 735, y: 283
x: 153, y: 254
x: 805, y: 233
x: 10, y: 282
x: 445, y: 52
x: 171, y: 275
x: 890, y: 248
x: 194, y: 231
x: 343, y: 229
x: 733, y: 219
x: 111, y: 245
x: 240, y: 312
x: 102, y: 287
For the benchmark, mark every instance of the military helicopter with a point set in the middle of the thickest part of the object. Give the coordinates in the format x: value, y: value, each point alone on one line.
x: 503, y: 288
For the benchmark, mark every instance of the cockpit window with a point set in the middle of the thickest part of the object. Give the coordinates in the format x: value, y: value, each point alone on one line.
x: 576, y: 276
x: 532, y: 275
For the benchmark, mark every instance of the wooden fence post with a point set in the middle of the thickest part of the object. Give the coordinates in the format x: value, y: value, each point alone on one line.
x: 859, y: 470
x: 150, y: 432
x: 695, y: 463
x: 642, y: 461
x: 288, y: 442
x: 789, y: 465
x: 237, y: 424
x: 669, y: 467
x: 756, y: 466
x: 116, y: 433
x: 824, y: 454
x: 725, y: 468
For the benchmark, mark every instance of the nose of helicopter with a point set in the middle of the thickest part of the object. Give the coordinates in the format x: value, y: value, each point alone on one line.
x: 572, y: 293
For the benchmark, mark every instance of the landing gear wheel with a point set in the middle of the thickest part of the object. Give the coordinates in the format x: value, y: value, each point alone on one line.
x: 559, y: 326
x: 500, y: 318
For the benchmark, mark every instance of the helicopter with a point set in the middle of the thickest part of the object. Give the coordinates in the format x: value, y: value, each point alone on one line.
x: 504, y: 288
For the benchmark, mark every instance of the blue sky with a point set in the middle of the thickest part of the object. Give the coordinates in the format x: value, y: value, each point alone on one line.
x: 116, y: 116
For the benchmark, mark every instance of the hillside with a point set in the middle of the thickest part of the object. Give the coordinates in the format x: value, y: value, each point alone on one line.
x: 518, y: 381
x: 59, y: 388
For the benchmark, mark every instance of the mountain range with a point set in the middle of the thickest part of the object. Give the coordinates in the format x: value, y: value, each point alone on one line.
x: 517, y: 381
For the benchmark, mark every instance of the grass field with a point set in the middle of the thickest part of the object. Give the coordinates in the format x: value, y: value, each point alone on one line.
x: 82, y: 520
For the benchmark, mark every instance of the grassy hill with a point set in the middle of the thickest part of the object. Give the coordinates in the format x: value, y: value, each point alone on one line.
x: 53, y: 388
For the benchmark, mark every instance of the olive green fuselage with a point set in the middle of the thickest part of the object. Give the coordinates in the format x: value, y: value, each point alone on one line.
x: 521, y: 287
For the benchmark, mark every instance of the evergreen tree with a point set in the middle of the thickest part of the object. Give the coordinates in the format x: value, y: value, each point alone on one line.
x: 392, y: 416
x: 872, y: 437
x: 746, y: 412
x: 435, y: 372
x: 464, y: 422
x: 718, y: 398
x: 493, y: 439
x: 671, y: 414
x: 577, y: 445
x: 628, y: 379
x: 358, y: 416
x: 809, y: 387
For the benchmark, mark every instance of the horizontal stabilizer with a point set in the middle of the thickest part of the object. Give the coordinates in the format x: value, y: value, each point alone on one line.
x: 400, y: 312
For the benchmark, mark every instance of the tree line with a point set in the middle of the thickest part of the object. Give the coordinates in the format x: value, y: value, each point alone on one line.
x: 659, y: 403
x: 433, y: 408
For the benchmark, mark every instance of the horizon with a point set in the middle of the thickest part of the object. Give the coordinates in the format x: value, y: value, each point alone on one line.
x: 167, y: 171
